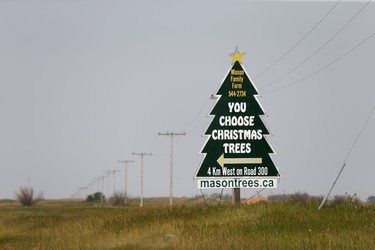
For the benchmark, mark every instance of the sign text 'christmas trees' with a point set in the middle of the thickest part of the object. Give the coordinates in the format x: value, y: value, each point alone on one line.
x: 236, y: 153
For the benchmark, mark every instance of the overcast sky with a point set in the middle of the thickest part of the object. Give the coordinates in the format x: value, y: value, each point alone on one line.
x: 84, y: 84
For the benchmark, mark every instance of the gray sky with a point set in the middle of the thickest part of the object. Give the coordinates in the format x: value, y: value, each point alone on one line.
x: 84, y: 84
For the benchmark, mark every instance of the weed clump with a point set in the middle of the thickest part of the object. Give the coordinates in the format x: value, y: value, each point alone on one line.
x: 25, y: 196
x: 118, y: 199
x: 347, y: 200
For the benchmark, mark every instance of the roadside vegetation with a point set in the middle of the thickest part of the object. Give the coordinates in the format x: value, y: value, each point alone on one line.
x: 283, y: 224
x: 25, y: 196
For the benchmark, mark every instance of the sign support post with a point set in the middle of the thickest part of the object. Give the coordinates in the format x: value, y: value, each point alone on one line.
x: 236, y: 196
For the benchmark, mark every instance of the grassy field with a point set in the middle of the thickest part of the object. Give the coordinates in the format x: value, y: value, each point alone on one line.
x: 276, y: 225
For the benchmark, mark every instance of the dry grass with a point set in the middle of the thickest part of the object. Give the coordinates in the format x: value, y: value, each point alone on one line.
x: 280, y: 225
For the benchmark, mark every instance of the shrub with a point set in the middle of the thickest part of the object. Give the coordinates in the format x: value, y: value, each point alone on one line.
x: 347, y: 200
x: 220, y: 196
x: 352, y: 200
x: 303, y: 198
x: 278, y: 197
x: 371, y: 199
x: 338, y: 200
x: 96, y: 197
x: 118, y: 199
x: 298, y: 197
x: 25, y: 196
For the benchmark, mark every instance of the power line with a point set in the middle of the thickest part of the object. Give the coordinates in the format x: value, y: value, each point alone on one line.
x: 197, y: 115
x: 320, y: 48
x: 324, y: 67
x: 152, y: 143
x: 346, y: 158
x: 299, y: 41
x: 155, y: 146
x: 258, y: 192
x: 363, y: 127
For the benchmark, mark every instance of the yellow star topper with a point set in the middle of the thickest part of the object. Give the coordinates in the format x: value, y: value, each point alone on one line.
x: 236, y: 56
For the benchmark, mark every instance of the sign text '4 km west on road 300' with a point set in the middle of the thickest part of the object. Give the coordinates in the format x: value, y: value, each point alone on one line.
x: 236, y: 153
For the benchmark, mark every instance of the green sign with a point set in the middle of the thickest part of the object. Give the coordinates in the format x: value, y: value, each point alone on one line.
x: 236, y: 153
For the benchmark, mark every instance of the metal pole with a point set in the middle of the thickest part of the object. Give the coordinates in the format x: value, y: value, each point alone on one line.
x: 171, y: 166
x: 142, y: 155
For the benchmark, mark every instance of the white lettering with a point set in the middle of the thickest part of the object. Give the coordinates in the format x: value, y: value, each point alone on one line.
x: 237, y: 106
x: 237, y: 148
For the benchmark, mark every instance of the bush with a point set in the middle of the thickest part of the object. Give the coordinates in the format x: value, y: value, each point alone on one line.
x: 278, y: 197
x: 347, y: 200
x: 298, y: 197
x: 118, y: 199
x: 303, y: 198
x: 352, y: 200
x: 371, y: 199
x: 97, y: 197
x: 25, y: 196
x: 220, y: 196
x: 338, y: 200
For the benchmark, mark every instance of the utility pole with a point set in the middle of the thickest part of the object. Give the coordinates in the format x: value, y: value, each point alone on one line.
x: 98, y: 184
x: 92, y: 187
x: 84, y: 194
x: 114, y: 171
x: 101, y: 198
x: 171, y: 168
x: 142, y: 155
x: 108, y: 174
x: 94, y: 182
x: 126, y: 177
x: 88, y: 190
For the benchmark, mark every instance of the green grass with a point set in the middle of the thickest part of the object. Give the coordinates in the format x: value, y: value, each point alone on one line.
x: 76, y: 225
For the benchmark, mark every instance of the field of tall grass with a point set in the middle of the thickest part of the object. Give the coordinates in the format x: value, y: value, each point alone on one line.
x: 264, y: 225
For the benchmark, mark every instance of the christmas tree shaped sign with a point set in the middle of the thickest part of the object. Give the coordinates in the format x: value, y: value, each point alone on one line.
x: 236, y: 153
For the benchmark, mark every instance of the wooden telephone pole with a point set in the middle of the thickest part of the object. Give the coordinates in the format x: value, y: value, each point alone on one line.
x: 171, y: 168
x: 141, y: 155
x: 126, y: 177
